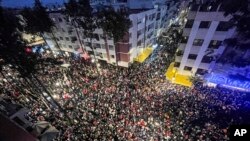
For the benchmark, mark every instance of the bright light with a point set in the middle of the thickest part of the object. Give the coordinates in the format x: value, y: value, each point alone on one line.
x: 98, y: 65
x: 92, y: 60
x: 45, y: 94
x: 155, y: 46
x: 55, y: 96
x: 57, y: 84
x: 227, y: 81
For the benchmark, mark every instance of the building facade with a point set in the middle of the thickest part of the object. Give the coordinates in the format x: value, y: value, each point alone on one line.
x: 147, y: 23
x: 202, y: 39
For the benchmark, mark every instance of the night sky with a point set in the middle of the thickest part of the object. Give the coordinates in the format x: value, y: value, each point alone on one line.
x: 22, y: 3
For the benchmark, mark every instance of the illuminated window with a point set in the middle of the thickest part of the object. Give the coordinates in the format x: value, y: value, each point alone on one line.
x: 214, y: 44
x: 198, y: 42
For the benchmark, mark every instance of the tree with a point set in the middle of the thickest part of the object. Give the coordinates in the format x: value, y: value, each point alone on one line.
x: 38, y: 21
x: 72, y: 12
x: 81, y: 15
x: 12, y: 45
x: 114, y: 24
x: 240, y: 13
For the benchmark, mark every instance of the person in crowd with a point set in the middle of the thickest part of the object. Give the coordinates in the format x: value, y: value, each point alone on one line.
x: 112, y: 103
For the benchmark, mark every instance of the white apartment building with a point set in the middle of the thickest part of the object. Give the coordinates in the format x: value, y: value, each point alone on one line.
x: 147, y: 23
x: 205, y: 30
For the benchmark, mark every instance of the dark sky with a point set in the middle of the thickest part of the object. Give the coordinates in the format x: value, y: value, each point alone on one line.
x: 22, y: 3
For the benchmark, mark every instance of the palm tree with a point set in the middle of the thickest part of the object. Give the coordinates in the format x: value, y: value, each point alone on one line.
x: 38, y: 21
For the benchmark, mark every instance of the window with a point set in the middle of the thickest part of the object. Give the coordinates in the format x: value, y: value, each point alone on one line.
x: 97, y: 45
x: 67, y: 38
x: 223, y: 26
x: 179, y: 53
x: 99, y: 54
x: 70, y: 46
x: 153, y: 17
x: 112, y: 56
x: 201, y: 71
x: 60, y: 19
x: 139, y: 21
x: 90, y: 53
x: 198, y: 42
x: 109, y: 37
x: 70, y: 32
x: 101, y: 36
x: 151, y: 26
x: 103, y: 46
x: 130, y: 46
x: 111, y: 47
x: 184, y: 39
x: 158, y: 16
x: 140, y: 32
x: 189, y: 24
x: 192, y: 56
x: 139, y: 43
x: 87, y: 44
x: 187, y: 68
x: 214, y: 44
x: 73, y: 39
x: 207, y: 59
x: 96, y: 36
x: 204, y: 24
x: 77, y: 47
x: 63, y: 30
x: 61, y: 38
x: 177, y: 64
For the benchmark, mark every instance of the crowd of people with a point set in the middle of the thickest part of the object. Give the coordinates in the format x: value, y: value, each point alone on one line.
x: 114, y: 103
